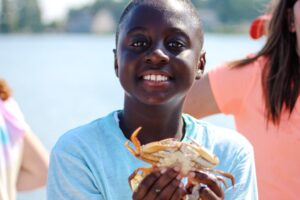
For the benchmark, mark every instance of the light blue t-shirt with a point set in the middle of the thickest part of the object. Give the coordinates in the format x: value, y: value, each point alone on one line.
x: 91, y: 162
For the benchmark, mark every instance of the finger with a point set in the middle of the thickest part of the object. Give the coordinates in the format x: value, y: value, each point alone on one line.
x: 207, y: 194
x: 179, y: 193
x: 167, y: 175
x: 209, y: 180
x: 170, y: 188
x: 189, y: 188
x: 146, y: 185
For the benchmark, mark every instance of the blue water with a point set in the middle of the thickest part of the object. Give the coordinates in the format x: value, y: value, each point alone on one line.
x: 62, y: 81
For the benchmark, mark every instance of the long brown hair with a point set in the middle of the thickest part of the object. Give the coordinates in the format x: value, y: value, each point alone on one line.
x: 5, y: 91
x: 281, y: 77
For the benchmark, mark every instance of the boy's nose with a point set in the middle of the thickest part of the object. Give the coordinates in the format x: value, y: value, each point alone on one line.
x: 157, y: 56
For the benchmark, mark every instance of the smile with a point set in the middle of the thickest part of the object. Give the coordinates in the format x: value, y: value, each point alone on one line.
x: 157, y: 78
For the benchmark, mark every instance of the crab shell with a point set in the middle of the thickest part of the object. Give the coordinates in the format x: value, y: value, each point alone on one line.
x: 170, y: 152
x: 188, y: 156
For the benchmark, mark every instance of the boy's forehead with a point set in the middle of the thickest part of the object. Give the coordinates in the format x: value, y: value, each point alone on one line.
x: 172, y: 8
x: 171, y: 12
x: 166, y: 5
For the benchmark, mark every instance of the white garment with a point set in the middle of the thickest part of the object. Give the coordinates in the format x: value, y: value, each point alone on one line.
x: 12, y: 129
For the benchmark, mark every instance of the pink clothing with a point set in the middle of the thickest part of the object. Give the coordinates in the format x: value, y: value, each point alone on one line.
x: 14, y: 118
x: 12, y: 130
x: 239, y: 92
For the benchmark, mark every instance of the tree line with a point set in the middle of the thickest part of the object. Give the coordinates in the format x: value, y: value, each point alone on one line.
x: 25, y: 15
x: 20, y: 16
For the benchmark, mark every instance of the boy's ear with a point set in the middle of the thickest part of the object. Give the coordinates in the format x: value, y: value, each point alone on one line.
x: 201, y: 65
x: 291, y: 21
x: 116, y: 62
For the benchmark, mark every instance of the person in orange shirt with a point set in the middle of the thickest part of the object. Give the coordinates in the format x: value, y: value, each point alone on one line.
x: 262, y: 93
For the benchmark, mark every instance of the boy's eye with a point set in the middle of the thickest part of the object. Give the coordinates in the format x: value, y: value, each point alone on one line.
x: 139, y: 44
x: 175, y: 45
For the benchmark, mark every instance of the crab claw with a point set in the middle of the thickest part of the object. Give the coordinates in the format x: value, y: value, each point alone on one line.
x: 195, y: 180
x: 136, y: 143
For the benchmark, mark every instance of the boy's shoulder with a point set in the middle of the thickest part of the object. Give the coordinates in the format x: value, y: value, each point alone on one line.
x: 218, y: 136
x: 85, y: 135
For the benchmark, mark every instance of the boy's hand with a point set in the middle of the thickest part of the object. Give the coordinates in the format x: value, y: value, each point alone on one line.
x: 210, y: 189
x: 164, y: 184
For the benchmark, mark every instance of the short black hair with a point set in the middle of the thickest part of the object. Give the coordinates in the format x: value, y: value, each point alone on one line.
x: 194, y: 14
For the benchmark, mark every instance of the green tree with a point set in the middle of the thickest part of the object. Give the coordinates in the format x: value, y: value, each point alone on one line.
x: 7, y: 16
x: 235, y: 11
x: 29, y: 16
x: 4, y: 27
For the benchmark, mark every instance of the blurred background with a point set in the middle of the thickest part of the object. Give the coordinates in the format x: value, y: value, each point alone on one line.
x: 101, y: 16
x: 57, y: 56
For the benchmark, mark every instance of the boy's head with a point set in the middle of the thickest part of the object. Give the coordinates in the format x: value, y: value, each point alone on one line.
x: 158, y: 49
x: 186, y: 5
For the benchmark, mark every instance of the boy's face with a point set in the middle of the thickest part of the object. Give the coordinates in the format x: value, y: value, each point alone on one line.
x: 158, y: 53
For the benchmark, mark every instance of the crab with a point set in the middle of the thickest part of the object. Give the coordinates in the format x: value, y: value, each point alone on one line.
x: 189, y: 156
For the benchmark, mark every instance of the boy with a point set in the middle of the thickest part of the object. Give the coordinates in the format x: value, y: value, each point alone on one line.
x: 157, y: 58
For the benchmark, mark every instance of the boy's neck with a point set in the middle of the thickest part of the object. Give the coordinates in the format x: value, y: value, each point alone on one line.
x: 157, y: 122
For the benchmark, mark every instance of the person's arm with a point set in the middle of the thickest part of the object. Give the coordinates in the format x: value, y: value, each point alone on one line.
x: 200, y: 101
x: 34, y: 166
x: 34, y: 158
x: 223, y: 90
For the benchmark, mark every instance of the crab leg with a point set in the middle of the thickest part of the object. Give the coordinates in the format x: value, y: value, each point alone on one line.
x: 135, y: 142
x: 144, y: 170
x: 130, y: 149
x: 219, y: 178
x: 227, y: 175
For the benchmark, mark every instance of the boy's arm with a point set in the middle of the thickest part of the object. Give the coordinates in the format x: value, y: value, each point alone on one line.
x: 70, y: 178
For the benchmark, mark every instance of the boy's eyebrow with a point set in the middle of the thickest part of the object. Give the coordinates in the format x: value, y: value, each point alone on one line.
x: 137, y: 28
x: 143, y: 29
x: 177, y: 30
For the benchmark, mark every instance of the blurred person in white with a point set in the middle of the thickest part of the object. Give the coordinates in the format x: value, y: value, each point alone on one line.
x: 23, y: 159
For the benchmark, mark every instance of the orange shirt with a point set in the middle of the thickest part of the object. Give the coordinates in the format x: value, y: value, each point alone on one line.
x: 239, y: 92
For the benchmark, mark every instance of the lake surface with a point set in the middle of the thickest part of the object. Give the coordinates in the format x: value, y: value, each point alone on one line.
x: 63, y: 81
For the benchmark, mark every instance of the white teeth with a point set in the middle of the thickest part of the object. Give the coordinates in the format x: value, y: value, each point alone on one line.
x: 153, y: 77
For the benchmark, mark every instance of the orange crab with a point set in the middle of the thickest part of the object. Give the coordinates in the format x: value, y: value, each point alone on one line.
x: 169, y: 153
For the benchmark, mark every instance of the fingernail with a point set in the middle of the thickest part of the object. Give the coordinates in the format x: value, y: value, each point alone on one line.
x: 163, y: 170
x: 181, y: 185
x: 179, y: 177
x: 177, y: 169
x: 192, y: 174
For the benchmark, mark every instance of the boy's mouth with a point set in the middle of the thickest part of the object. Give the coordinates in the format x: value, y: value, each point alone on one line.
x: 155, y: 77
